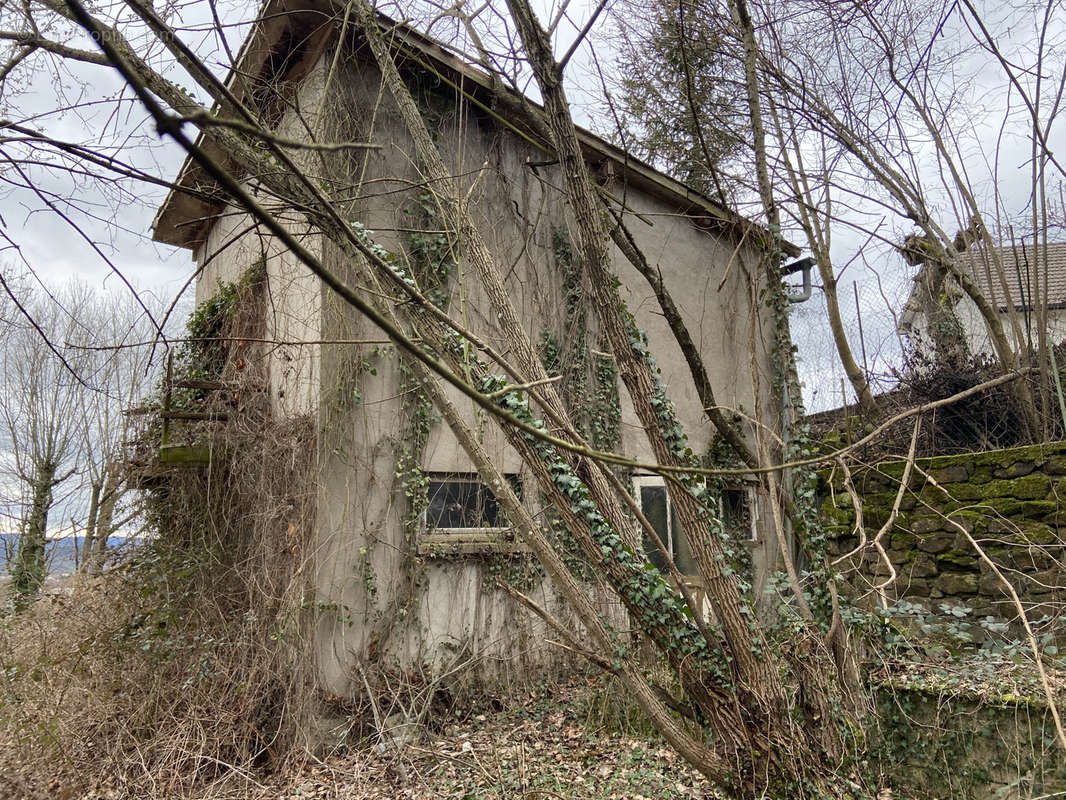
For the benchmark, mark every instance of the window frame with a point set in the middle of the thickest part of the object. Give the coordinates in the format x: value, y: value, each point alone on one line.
x: 659, y: 482
x: 656, y: 482
x: 747, y: 490
x: 751, y: 499
x: 446, y: 541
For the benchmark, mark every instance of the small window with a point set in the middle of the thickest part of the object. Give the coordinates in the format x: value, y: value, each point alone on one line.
x: 463, y: 502
x: 654, y: 502
x: 738, y: 519
x: 462, y: 516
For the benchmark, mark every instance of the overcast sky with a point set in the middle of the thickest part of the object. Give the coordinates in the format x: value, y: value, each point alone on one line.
x: 56, y: 250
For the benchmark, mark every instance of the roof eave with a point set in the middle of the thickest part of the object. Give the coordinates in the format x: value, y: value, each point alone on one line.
x: 185, y: 217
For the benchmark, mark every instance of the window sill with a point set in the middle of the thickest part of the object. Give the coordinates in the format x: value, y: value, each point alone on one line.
x: 466, y: 541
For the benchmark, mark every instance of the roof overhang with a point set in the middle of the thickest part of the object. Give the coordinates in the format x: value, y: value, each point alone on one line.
x: 194, y: 202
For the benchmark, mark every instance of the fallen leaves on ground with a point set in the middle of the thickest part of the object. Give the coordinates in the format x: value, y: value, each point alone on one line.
x: 538, y: 747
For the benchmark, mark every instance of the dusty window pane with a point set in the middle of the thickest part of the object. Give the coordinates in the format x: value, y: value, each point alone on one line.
x: 653, y: 503
x: 682, y: 550
x: 461, y: 504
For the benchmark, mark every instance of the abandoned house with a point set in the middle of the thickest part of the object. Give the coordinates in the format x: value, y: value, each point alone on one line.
x: 371, y: 529
x: 1025, y: 282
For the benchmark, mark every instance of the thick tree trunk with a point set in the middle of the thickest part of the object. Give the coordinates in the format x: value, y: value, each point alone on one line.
x: 758, y: 692
x: 28, y: 571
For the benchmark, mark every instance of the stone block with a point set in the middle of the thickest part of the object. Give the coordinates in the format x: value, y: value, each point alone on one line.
x: 873, y: 485
x: 1055, y: 465
x: 1035, y: 558
x: 1035, y: 509
x: 875, y: 565
x: 835, y: 532
x: 901, y: 540
x: 1031, y: 487
x: 1007, y: 506
x: 966, y: 491
x: 1050, y: 578
x: 954, y: 473
x: 927, y: 523
x: 936, y: 542
x: 1016, y: 470
x: 957, y: 560
x: 957, y: 583
x: 989, y: 584
x: 1037, y: 533
x: 919, y: 565
x: 1000, y: 525
x: 984, y: 609
x: 965, y: 520
x: 916, y: 587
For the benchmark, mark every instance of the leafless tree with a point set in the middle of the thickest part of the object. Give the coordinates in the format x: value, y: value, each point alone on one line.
x: 891, y: 131
x: 740, y: 717
x: 38, y: 409
x: 120, y: 378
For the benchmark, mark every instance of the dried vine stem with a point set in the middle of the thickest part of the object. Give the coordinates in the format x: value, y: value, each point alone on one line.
x: 856, y: 503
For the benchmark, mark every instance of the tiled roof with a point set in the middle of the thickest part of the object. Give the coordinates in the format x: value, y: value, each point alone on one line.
x: 1026, y: 274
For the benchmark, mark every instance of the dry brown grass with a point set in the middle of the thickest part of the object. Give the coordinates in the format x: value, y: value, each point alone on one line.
x: 185, y: 663
x: 175, y: 669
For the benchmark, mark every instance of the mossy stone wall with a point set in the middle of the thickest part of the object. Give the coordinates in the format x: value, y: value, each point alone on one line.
x: 1013, y: 503
x: 954, y: 747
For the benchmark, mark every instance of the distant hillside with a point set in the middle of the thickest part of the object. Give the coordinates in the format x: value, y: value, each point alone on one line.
x: 62, y: 553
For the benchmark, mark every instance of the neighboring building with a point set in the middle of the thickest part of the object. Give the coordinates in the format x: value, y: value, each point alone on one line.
x: 1018, y: 280
x: 365, y: 551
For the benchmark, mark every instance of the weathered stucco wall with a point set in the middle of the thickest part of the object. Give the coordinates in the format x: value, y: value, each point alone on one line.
x: 378, y: 591
x: 293, y: 312
x: 978, y: 339
x: 1012, y: 502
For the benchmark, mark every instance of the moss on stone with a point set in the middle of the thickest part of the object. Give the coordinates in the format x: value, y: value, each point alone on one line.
x: 1038, y: 533
x: 901, y: 540
x: 1016, y: 470
x: 1029, y: 487
x: 838, y: 517
x: 956, y: 583
x: 969, y: 518
x: 957, y: 560
x: 955, y: 473
x: 837, y: 531
x: 1006, y: 498
x: 1032, y: 509
x: 1007, y: 506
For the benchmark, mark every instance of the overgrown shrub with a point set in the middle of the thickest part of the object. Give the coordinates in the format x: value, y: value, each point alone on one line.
x: 186, y: 663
